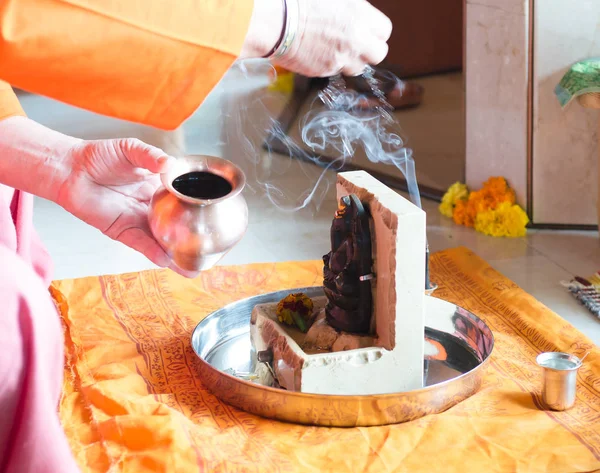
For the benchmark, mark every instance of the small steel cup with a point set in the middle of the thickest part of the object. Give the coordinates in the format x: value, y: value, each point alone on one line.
x: 560, y: 379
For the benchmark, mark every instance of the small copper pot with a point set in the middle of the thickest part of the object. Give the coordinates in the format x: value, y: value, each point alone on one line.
x: 197, y: 231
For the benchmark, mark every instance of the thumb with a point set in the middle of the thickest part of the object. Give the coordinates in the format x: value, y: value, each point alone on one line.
x: 142, y: 155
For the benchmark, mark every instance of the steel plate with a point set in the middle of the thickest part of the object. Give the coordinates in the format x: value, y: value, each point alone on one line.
x: 222, y: 343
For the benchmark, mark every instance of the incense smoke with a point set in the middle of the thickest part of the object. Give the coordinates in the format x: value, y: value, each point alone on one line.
x: 335, y: 126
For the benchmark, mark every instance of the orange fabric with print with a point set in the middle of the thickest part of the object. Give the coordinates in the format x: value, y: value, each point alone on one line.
x: 132, y: 398
x: 147, y: 61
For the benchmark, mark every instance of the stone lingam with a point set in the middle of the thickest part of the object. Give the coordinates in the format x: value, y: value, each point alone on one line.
x: 366, y: 334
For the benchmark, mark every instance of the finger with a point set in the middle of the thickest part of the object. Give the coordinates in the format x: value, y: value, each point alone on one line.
x: 142, y: 155
x: 141, y: 241
x: 355, y: 68
x: 380, y: 24
x: 375, y: 52
x: 327, y: 73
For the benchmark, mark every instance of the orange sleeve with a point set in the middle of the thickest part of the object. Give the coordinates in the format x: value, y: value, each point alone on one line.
x: 147, y: 61
x: 9, y: 104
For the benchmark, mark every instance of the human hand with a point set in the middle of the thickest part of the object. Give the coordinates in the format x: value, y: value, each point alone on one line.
x: 333, y: 36
x: 110, y: 187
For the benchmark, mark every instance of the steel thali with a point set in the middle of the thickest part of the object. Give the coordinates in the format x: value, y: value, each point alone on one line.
x: 458, y: 347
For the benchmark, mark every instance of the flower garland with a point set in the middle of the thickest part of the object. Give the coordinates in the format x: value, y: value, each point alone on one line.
x: 490, y: 210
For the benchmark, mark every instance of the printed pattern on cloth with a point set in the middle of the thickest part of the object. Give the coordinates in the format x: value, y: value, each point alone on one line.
x: 133, y: 401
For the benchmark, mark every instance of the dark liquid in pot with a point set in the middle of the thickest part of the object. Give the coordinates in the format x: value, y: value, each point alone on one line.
x: 202, y: 185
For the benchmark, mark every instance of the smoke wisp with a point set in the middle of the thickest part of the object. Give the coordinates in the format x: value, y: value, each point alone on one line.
x: 336, y: 125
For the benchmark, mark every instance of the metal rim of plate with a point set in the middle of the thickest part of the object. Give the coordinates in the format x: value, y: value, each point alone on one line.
x: 222, y: 343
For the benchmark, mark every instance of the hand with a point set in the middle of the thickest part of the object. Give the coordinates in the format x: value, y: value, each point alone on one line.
x: 334, y: 36
x: 110, y: 187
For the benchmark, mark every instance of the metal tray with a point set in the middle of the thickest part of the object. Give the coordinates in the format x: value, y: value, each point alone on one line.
x: 463, y: 343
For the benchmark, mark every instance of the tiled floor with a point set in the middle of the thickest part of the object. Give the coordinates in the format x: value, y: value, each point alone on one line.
x: 537, y: 263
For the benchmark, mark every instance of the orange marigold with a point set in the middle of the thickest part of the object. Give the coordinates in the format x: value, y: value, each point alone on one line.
x: 497, y: 185
x: 494, y: 192
x: 497, y: 191
x: 463, y: 214
x: 491, y: 210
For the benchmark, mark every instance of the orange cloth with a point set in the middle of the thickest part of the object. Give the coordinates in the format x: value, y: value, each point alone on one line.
x: 132, y: 399
x: 9, y: 104
x: 151, y: 61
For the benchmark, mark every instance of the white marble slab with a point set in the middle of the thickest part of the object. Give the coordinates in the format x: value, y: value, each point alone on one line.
x: 497, y: 64
x: 565, y: 142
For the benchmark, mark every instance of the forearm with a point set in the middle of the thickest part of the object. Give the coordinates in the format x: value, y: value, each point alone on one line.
x: 33, y: 157
x: 150, y: 62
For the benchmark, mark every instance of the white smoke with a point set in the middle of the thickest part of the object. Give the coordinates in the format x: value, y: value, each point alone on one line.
x: 335, y: 126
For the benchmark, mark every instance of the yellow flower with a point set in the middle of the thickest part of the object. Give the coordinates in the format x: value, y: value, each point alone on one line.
x: 284, y: 83
x: 506, y: 220
x: 295, y: 309
x: 455, y: 193
x: 446, y: 208
x: 491, y: 210
x: 494, y: 191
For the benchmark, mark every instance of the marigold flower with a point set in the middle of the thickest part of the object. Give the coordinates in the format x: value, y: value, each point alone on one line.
x: 455, y: 193
x: 295, y: 309
x: 491, y: 210
x: 506, y: 220
x: 463, y: 214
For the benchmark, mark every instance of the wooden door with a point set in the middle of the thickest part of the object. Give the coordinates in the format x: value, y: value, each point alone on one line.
x: 427, y: 36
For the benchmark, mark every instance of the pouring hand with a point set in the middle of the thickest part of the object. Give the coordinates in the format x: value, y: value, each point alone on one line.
x: 334, y: 36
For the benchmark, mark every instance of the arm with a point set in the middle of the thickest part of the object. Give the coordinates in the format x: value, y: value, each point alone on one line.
x: 106, y: 183
x: 33, y: 156
x: 31, y: 153
x: 151, y: 62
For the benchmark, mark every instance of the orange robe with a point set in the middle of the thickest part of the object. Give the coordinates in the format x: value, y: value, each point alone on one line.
x: 148, y: 61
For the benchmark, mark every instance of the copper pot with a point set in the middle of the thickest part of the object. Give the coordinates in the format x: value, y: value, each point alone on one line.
x: 199, y: 213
